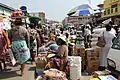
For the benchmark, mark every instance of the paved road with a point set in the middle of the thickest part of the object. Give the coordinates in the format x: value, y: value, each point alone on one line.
x: 13, y: 73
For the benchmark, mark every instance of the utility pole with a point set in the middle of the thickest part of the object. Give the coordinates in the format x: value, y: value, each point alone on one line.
x: 89, y: 1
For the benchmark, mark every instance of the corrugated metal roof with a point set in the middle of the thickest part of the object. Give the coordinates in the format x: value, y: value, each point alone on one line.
x: 5, y: 6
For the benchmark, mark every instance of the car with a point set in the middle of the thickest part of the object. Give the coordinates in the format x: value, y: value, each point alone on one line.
x: 113, y: 58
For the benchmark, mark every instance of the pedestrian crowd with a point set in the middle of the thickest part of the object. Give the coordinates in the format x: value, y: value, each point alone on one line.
x: 27, y: 42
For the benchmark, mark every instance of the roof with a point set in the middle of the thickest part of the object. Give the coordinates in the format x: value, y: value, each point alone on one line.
x: 8, y: 7
x: 100, y: 5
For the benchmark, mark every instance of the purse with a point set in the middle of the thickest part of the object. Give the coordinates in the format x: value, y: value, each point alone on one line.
x: 101, y: 42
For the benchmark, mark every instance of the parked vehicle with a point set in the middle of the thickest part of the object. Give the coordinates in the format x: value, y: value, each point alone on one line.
x: 114, y: 57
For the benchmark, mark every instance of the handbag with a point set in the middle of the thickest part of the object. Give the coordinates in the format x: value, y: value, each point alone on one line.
x: 101, y: 42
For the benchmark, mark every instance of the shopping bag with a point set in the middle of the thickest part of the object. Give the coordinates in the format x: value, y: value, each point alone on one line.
x: 12, y: 58
x: 101, y: 42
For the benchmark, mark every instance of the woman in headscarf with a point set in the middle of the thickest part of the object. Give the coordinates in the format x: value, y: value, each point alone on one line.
x: 19, y: 37
x: 33, y: 41
x: 62, y: 52
x: 3, y: 48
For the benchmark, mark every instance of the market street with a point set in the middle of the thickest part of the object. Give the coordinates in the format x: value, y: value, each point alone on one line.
x: 13, y: 73
x: 60, y: 40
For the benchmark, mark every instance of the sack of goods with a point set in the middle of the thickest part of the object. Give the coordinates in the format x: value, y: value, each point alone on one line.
x: 41, y: 62
x: 54, y: 74
x: 75, y: 67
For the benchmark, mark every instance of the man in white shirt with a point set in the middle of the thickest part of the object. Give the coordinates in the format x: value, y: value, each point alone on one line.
x: 87, y: 36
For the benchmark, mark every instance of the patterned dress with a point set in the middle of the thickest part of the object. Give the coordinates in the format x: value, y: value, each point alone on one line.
x: 2, y: 46
x: 33, y: 40
x: 19, y: 37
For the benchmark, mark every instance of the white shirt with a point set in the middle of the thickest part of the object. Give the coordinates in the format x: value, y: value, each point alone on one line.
x: 109, y: 36
x: 87, y: 32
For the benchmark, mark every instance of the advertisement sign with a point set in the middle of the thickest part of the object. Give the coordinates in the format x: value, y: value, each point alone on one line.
x: 24, y: 9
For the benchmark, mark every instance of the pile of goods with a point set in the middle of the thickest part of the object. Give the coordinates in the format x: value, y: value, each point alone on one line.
x: 92, y: 59
x: 54, y: 74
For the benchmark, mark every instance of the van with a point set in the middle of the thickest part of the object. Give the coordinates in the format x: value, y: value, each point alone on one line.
x: 113, y: 58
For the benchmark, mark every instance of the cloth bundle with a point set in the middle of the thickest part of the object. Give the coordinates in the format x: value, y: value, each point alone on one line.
x: 54, y: 74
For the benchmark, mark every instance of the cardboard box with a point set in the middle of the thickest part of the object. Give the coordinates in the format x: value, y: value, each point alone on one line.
x: 93, y: 58
x: 92, y: 63
x: 92, y: 66
x: 81, y: 52
x: 90, y: 52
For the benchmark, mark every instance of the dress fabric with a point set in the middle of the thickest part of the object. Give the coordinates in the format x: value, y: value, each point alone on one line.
x: 21, y: 51
x: 109, y: 36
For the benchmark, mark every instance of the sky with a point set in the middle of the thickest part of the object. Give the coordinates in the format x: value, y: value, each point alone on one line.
x: 54, y: 9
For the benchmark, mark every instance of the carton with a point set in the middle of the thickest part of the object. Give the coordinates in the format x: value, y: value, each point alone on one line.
x: 92, y: 66
x: 92, y: 63
x: 92, y: 58
x: 80, y: 51
x: 92, y: 53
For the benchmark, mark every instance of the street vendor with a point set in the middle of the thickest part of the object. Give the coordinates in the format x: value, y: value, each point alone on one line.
x: 19, y: 37
x: 3, y: 48
x: 62, y: 52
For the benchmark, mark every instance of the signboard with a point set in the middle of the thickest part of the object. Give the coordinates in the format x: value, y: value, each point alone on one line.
x: 24, y: 9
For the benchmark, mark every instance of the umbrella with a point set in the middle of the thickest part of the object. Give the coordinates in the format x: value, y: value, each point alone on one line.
x: 79, y: 8
x: 82, y: 12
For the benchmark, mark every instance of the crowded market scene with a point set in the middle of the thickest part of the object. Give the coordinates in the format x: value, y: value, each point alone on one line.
x: 82, y: 45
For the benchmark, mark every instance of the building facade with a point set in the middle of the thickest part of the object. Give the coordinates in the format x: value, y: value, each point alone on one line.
x: 41, y: 15
x: 111, y: 7
x: 78, y: 20
x: 5, y: 10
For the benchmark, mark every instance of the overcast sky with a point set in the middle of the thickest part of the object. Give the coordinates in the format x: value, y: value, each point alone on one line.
x: 54, y: 9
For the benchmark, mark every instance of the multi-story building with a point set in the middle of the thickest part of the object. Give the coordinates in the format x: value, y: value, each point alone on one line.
x: 5, y: 10
x: 78, y: 20
x: 111, y: 7
x: 41, y: 15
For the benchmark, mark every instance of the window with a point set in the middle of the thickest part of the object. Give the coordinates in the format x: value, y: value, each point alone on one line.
x: 104, y: 12
x: 116, y: 9
x: 108, y: 11
x: 112, y: 10
x: 116, y: 43
x: 114, y: 6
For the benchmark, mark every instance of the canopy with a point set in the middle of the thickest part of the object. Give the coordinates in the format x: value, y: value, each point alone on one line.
x: 82, y: 12
x: 79, y: 8
x: 34, y: 19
